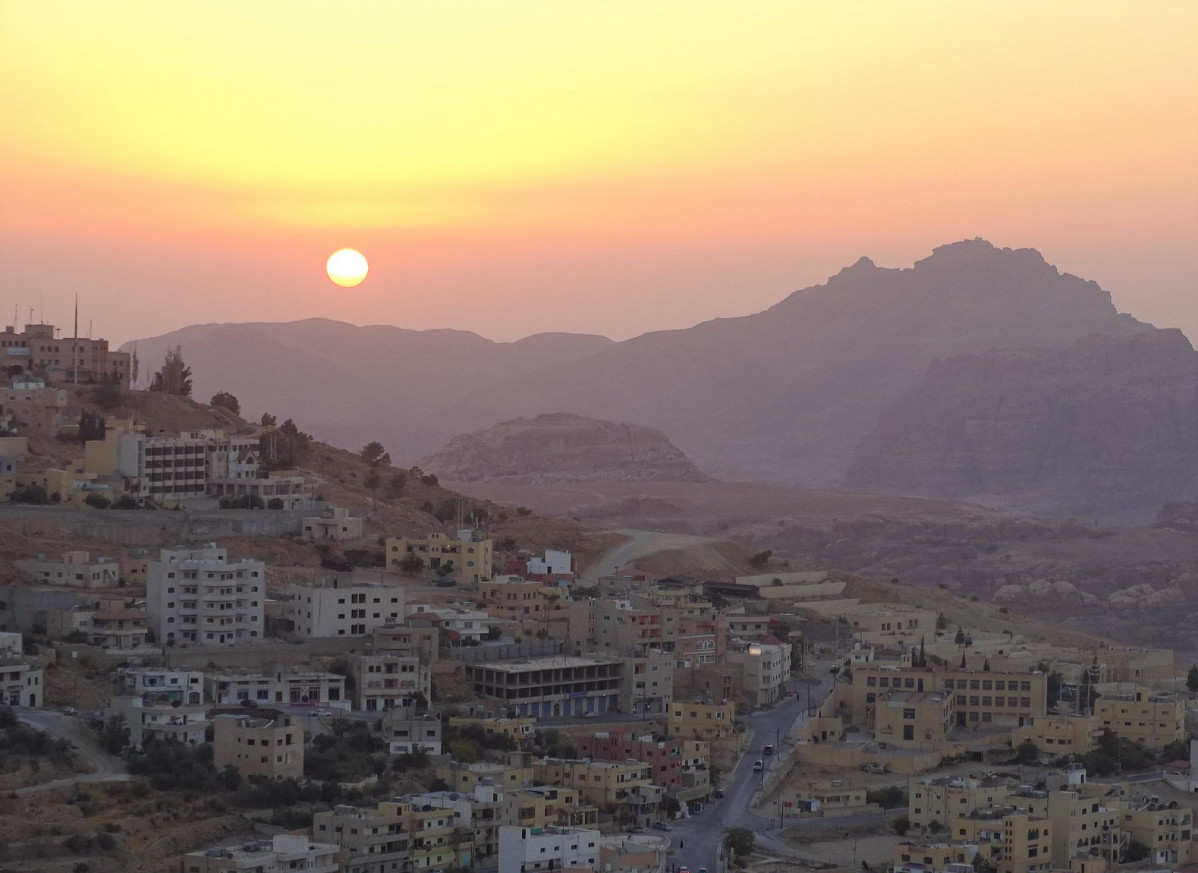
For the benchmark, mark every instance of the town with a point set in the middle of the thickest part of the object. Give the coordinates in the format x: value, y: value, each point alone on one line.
x: 226, y: 646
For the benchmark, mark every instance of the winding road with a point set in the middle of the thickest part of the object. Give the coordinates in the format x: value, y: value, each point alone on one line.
x: 105, y: 767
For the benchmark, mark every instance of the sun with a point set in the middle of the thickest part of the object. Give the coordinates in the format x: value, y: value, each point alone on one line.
x: 347, y: 267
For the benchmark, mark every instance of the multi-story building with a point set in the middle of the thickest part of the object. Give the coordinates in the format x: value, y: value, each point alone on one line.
x: 554, y: 566
x: 340, y: 608
x: 405, y: 639
x: 945, y: 798
x: 158, y: 717
x: 77, y: 360
x: 680, y: 624
x: 1085, y: 824
x: 267, y: 744
x: 377, y: 840
x: 539, y: 850
x: 1013, y: 840
x: 198, y: 597
x: 702, y: 721
x: 335, y: 525
x: 283, y: 853
x: 467, y: 555
x: 980, y: 699
x: 182, y: 686
x: 550, y: 686
x: 106, y: 624
x: 33, y: 407
x: 603, y: 783
x: 1060, y: 735
x: 22, y: 681
x: 647, y: 683
x: 386, y: 680
x: 913, y: 720
x: 517, y: 599
x: 405, y: 734
x: 74, y: 569
x: 459, y: 624
x: 766, y: 666
x: 1165, y: 828
x: 1141, y: 715
x: 460, y: 776
x: 669, y: 758
x: 291, y: 686
x: 519, y: 729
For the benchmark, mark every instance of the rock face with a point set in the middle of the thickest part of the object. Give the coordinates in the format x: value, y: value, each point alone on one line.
x: 1105, y: 427
x: 560, y: 447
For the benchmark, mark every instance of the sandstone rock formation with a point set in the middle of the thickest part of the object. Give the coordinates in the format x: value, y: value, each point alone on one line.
x: 559, y: 447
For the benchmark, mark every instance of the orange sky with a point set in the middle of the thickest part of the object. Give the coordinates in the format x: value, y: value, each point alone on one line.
x: 589, y: 167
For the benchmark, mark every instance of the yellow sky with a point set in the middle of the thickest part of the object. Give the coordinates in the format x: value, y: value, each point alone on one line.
x: 612, y: 167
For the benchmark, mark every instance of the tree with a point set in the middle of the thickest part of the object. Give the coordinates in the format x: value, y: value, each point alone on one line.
x: 108, y: 391
x: 959, y: 639
x: 175, y: 375
x: 91, y: 426
x: 372, y: 482
x: 411, y: 564
x: 375, y: 455
x: 268, y: 420
x: 395, y: 485
x: 739, y: 842
x: 1027, y: 752
x: 225, y: 400
x: 1192, y: 679
x: 760, y: 559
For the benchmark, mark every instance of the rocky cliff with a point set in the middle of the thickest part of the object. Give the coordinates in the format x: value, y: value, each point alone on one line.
x: 563, y: 448
x: 1105, y: 427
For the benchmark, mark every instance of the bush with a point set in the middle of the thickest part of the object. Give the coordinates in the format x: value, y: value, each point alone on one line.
x: 901, y: 825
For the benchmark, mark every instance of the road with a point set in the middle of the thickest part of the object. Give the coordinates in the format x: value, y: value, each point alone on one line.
x: 696, y: 840
x: 105, y: 767
x: 640, y: 544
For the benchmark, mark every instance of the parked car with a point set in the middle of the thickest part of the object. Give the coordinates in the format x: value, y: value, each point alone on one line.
x: 719, y: 794
x: 323, y: 713
x: 445, y: 583
x: 662, y: 826
x: 768, y: 750
x: 591, y: 714
x: 68, y: 710
x: 758, y: 766
x: 874, y: 767
x: 640, y: 830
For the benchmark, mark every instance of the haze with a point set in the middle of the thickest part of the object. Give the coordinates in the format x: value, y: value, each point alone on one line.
x: 601, y: 168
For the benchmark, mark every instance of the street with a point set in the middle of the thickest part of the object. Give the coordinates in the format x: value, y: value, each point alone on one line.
x: 105, y: 767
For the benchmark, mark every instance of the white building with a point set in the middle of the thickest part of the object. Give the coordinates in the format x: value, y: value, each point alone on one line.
x: 279, y: 687
x: 196, y: 597
x: 157, y: 717
x: 537, y: 850
x: 766, y: 666
x: 11, y: 643
x: 339, y: 608
x: 184, y: 686
x: 283, y: 853
x: 74, y: 569
x: 554, y: 563
x: 22, y: 682
x: 460, y: 624
x: 335, y: 526
x: 389, y: 681
x: 405, y: 735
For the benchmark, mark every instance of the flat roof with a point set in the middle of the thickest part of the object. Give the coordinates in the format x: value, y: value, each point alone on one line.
x: 548, y: 663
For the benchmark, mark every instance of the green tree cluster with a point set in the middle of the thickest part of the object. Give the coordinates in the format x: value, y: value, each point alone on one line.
x: 225, y: 400
x: 175, y: 375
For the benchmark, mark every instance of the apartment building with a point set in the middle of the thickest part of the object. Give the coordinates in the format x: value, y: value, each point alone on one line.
x: 283, y: 853
x: 106, y: 624
x: 945, y: 798
x: 467, y: 555
x: 459, y: 624
x: 913, y: 719
x: 1165, y: 828
x: 157, y: 716
x: 459, y: 776
x: 62, y: 361
x: 980, y: 699
x: 681, y: 624
x: 1060, y: 735
x: 1153, y: 719
x: 1084, y: 824
x: 386, y: 680
x: 406, y: 639
x: 1013, y: 840
x: 670, y: 759
x: 339, y: 607
x: 537, y: 850
x: 519, y: 729
x: 22, y: 681
x: 603, y: 783
x: 291, y: 686
x: 766, y: 666
x: 34, y: 408
x: 173, y: 686
x: 197, y: 596
x: 335, y: 525
x: 74, y: 569
x: 375, y: 840
x: 517, y: 599
x: 702, y: 721
x: 268, y: 744
x: 550, y: 686
x: 405, y: 734
x: 647, y: 683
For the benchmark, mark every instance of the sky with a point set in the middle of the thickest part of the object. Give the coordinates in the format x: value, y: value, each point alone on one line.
x: 591, y: 167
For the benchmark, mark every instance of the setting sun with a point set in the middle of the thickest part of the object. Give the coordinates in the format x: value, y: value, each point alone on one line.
x: 347, y: 267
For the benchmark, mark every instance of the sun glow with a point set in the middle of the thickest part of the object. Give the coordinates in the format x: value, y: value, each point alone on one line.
x: 347, y: 267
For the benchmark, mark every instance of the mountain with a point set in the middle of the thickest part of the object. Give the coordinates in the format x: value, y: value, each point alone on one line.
x: 563, y: 448
x: 783, y: 395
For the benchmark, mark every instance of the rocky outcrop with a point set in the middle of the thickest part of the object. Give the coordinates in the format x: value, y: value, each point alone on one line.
x: 559, y: 447
x: 1106, y: 427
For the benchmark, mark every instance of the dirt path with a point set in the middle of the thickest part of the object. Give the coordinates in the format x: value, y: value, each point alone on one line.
x: 645, y: 543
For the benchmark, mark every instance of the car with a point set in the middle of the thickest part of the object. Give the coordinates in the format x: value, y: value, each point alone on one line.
x: 247, y: 703
x: 322, y: 713
x: 69, y: 710
x: 702, y: 870
x: 684, y: 870
x: 768, y: 750
x: 719, y: 794
x: 874, y: 767
x: 661, y: 826
x: 591, y: 714
x: 758, y: 766
x: 445, y: 583
x: 640, y: 830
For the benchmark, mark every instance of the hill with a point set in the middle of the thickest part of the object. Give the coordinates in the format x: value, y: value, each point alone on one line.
x: 784, y: 395
x: 563, y: 448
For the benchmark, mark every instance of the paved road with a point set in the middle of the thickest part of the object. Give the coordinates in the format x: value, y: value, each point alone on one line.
x: 640, y: 544
x: 105, y: 767
x: 697, y: 840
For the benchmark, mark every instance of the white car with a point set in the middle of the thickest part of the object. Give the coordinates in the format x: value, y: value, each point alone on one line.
x: 323, y: 713
x: 591, y: 714
x: 758, y: 766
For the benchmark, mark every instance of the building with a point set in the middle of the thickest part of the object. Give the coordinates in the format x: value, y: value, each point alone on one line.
x: 198, y: 597
x: 647, y: 683
x: 943, y: 799
x: 517, y: 599
x: 386, y: 680
x: 405, y: 639
x: 519, y: 729
x: 77, y: 360
x: 335, y: 525
x: 406, y: 734
x: 460, y: 625
x: 1085, y: 825
x: 682, y: 625
x: 158, y: 717
x: 670, y: 759
x: 283, y: 853
x: 537, y: 850
x: 106, y: 624
x: 1141, y: 715
x: 182, y: 686
x: 267, y: 744
x: 554, y: 566
x: 702, y: 721
x: 550, y: 686
x: 340, y: 608
x: 460, y: 776
x: 466, y: 555
x: 980, y: 698
x: 1165, y: 828
x: 913, y: 719
x: 375, y: 840
x: 74, y: 569
x: 22, y: 681
x: 34, y: 408
x: 766, y: 666
x: 278, y: 687
x: 603, y: 783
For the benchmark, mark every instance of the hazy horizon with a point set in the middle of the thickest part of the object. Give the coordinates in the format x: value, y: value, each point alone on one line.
x: 578, y: 169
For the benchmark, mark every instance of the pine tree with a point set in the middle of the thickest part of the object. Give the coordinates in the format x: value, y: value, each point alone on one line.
x: 175, y: 376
